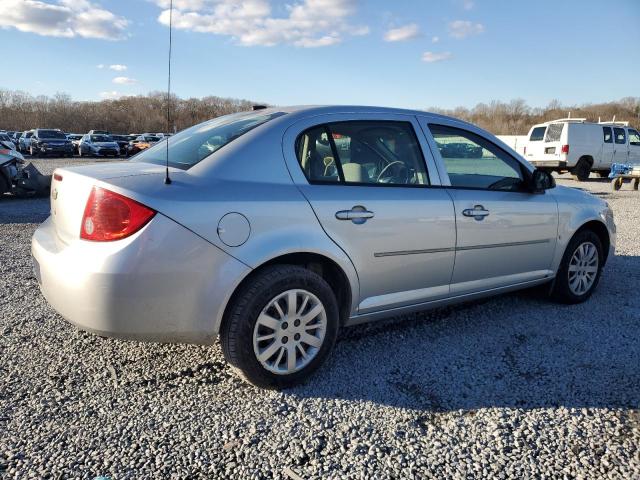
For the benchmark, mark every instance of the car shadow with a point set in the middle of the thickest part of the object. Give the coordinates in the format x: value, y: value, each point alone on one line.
x: 518, y: 350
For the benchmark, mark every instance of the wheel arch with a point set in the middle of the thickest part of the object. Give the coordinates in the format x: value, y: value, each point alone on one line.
x: 600, y: 229
x: 327, y: 268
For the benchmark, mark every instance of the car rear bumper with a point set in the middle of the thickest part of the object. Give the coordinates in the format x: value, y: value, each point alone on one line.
x: 548, y: 163
x: 163, y: 283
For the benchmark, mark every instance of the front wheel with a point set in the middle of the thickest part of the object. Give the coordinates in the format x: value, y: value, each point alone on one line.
x: 580, y: 269
x: 280, y: 327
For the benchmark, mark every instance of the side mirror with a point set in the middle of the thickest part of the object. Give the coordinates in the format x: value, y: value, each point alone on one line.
x: 542, y: 180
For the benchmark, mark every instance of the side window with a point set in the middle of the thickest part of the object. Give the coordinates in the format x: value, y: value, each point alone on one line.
x: 634, y: 138
x: 362, y: 152
x: 537, y: 134
x: 608, y: 135
x: 620, y: 136
x: 472, y: 161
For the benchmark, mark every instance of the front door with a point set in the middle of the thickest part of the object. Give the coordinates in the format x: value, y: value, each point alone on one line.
x: 505, y: 234
x: 371, y: 189
x: 634, y: 146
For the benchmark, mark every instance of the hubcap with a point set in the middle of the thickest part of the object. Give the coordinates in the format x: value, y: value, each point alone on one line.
x: 289, y: 331
x: 583, y: 268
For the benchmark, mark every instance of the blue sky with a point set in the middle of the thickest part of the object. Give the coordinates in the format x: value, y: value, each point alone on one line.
x: 401, y: 53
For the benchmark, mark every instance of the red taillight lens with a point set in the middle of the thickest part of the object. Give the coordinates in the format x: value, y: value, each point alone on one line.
x: 110, y: 216
x: 565, y: 149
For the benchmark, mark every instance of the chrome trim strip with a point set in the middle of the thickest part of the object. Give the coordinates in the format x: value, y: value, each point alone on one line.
x: 413, y: 252
x: 460, y: 249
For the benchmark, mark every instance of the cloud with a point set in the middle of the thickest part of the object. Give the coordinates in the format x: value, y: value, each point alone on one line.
x: 463, y: 28
x: 305, y: 23
x: 124, y: 80
x: 400, y: 34
x: 62, y: 18
x: 431, y: 57
x: 467, y: 4
x: 118, y: 68
x: 100, y: 66
x: 435, y: 39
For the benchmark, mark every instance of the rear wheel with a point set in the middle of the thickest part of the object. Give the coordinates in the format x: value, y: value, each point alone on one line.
x: 580, y: 269
x: 280, y: 327
x: 616, y: 183
x: 582, y: 170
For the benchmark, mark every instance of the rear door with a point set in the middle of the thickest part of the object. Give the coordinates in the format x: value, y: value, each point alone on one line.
x: 377, y: 196
x: 607, y: 147
x: 505, y: 234
x: 620, y: 149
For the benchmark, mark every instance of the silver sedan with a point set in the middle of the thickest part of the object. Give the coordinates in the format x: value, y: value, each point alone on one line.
x: 279, y: 226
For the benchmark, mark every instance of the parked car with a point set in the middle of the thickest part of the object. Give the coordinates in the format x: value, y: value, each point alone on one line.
x: 580, y: 147
x: 142, y: 142
x: 277, y: 227
x: 98, y: 145
x: 24, y: 141
x: 6, y: 142
x: 45, y: 141
x: 75, y: 141
x: 99, y: 132
x: 122, y: 141
x: 15, y: 138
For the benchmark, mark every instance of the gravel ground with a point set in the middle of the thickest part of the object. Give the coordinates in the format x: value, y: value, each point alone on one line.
x: 512, y: 387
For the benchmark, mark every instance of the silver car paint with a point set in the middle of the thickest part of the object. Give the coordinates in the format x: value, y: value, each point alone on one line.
x: 250, y: 176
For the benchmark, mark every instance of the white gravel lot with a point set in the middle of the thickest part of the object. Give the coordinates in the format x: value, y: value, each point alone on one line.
x: 512, y: 387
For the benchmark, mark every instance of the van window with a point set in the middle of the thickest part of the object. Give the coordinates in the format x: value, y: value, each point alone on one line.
x: 553, y: 132
x: 537, y: 134
x: 608, y: 134
x: 634, y: 138
x: 620, y: 136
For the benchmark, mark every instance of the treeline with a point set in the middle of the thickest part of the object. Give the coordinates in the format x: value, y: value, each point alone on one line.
x: 516, y: 117
x: 148, y: 113
x: 144, y: 113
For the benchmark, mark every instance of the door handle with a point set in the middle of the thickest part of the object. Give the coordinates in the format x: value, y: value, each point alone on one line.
x: 357, y: 214
x: 478, y: 212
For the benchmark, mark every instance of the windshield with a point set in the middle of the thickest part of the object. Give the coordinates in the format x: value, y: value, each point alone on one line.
x: 51, y: 134
x: 194, y: 144
x: 101, y: 138
x: 4, y: 136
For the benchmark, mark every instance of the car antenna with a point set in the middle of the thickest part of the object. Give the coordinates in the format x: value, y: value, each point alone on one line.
x: 167, y: 179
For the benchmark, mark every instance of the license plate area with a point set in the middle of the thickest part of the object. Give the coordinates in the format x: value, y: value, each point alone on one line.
x: 550, y: 150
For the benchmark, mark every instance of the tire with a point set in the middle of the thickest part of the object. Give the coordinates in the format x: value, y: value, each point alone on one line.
x: 636, y: 183
x: 562, y: 289
x: 616, y: 183
x: 255, y: 298
x: 582, y: 170
x: 603, y: 173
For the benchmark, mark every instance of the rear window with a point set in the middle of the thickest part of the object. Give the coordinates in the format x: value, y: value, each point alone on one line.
x: 51, y: 134
x: 194, y: 144
x: 553, y: 132
x: 537, y: 134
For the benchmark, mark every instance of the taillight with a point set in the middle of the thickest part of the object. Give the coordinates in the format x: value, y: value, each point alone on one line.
x: 525, y: 149
x: 565, y: 149
x: 110, y: 216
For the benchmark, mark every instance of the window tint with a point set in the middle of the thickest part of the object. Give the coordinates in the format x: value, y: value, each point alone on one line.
x: 608, y: 135
x: 553, y: 132
x: 473, y: 162
x: 537, y: 134
x: 194, y: 144
x: 362, y: 152
x: 620, y: 136
x: 634, y: 138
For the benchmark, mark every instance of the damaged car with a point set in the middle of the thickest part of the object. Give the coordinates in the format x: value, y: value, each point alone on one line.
x: 21, y: 180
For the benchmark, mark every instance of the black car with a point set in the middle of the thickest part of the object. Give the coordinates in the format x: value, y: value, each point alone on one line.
x: 122, y: 141
x: 48, y: 141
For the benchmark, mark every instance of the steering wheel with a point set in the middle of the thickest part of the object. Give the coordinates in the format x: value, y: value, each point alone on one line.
x: 382, y: 172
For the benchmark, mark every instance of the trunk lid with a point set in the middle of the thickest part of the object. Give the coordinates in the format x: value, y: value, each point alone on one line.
x: 70, y: 189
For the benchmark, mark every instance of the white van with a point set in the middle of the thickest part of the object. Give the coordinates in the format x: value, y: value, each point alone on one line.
x: 580, y: 147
